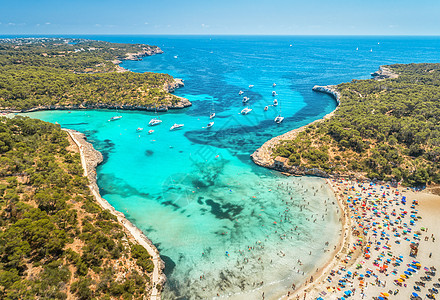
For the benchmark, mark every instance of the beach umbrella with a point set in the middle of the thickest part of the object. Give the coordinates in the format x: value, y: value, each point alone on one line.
x: 381, y: 298
x: 385, y: 294
x: 411, y: 270
x: 414, y: 294
x: 407, y: 273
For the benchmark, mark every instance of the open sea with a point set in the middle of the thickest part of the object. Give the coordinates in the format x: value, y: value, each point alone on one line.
x: 225, y: 227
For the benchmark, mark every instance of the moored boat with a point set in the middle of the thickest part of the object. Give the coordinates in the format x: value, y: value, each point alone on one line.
x: 251, y: 86
x: 279, y: 119
x: 274, y: 84
x: 210, y: 124
x: 245, y: 99
x: 139, y: 129
x: 275, y: 102
x: 266, y: 108
x: 240, y: 92
x: 150, y: 131
x: 274, y: 93
x: 246, y: 110
x: 115, y: 118
x: 212, y: 115
x: 154, y: 122
x: 176, y: 126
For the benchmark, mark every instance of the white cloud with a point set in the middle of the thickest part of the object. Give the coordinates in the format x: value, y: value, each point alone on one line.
x: 205, y: 26
x: 47, y: 23
x: 98, y: 25
x: 146, y: 23
x: 11, y: 24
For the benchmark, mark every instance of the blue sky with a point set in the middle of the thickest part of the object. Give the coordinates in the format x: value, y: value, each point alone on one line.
x: 270, y: 17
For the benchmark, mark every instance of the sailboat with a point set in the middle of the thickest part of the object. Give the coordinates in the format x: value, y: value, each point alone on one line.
x: 279, y: 118
x: 155, y: 121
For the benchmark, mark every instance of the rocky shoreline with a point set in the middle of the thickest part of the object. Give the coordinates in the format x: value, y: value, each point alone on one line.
x: 263, y: 155
x: 90, y: 159
x: 383, y: 73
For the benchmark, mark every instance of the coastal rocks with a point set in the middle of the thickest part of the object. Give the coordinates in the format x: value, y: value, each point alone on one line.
x: 182, y: 103
x: 328, y: 89
x: 146, y: 51
x: 172, y: 86
x: 383, y: 73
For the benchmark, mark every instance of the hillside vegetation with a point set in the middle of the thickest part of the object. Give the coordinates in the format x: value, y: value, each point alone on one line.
x: 384, y: 129
x: 55, y: 241
x: 74, y: 72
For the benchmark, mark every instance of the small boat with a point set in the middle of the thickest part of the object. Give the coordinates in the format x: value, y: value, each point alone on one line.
x: 139, y: 129
x: 154, y: 122
x: 240, y: 92
x: 246, y: 110
x: 274, y: 84
x: 115, y: 118
x: 279, y: 119
x: 251, y: 86
x: 266, y: 108
x: 291, y: 45
x: 245, y: 99
x: 150, y: 131
x: 274, y: 93
x: 212, y: 115
x: 209, y: 124
x: 275, y: 102
x: 175, y: 56
x: 176, y: 126
x: 371, y: 50
x: 357, y: 48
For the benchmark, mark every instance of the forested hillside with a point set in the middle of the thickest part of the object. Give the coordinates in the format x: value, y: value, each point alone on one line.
x: 55, y: 241
x: 384, y: 129
x: 76, y: 72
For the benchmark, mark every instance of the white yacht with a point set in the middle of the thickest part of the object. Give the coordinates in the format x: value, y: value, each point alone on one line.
x: 251, y: 86
x: 139, y: 129
x: 246, y: 110
x: 245, y: 99
x: 150, y: 131
x: 279, y: 119
x: 154, y: 122
x: 275, y: 102
x: 212, y: 115
x: 274, y: 93
x: 176, y: 126
x: 115, y: 118
x: 209, y: 124
x: 240, y: 92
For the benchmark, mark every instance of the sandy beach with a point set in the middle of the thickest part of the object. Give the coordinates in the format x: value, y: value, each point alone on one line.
x: 373, y: 261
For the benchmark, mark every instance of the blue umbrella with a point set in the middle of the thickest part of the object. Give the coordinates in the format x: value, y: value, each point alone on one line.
x: 347, y: 293
x: 407, y: 273
x: 414, y: 294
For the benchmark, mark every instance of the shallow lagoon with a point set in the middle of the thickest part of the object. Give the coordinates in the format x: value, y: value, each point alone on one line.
x: 195, y: 192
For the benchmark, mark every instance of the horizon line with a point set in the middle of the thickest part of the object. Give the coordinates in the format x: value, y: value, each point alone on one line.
x: 220, y: 34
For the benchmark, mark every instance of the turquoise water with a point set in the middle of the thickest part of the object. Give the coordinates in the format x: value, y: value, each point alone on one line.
x: 210, y: 211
